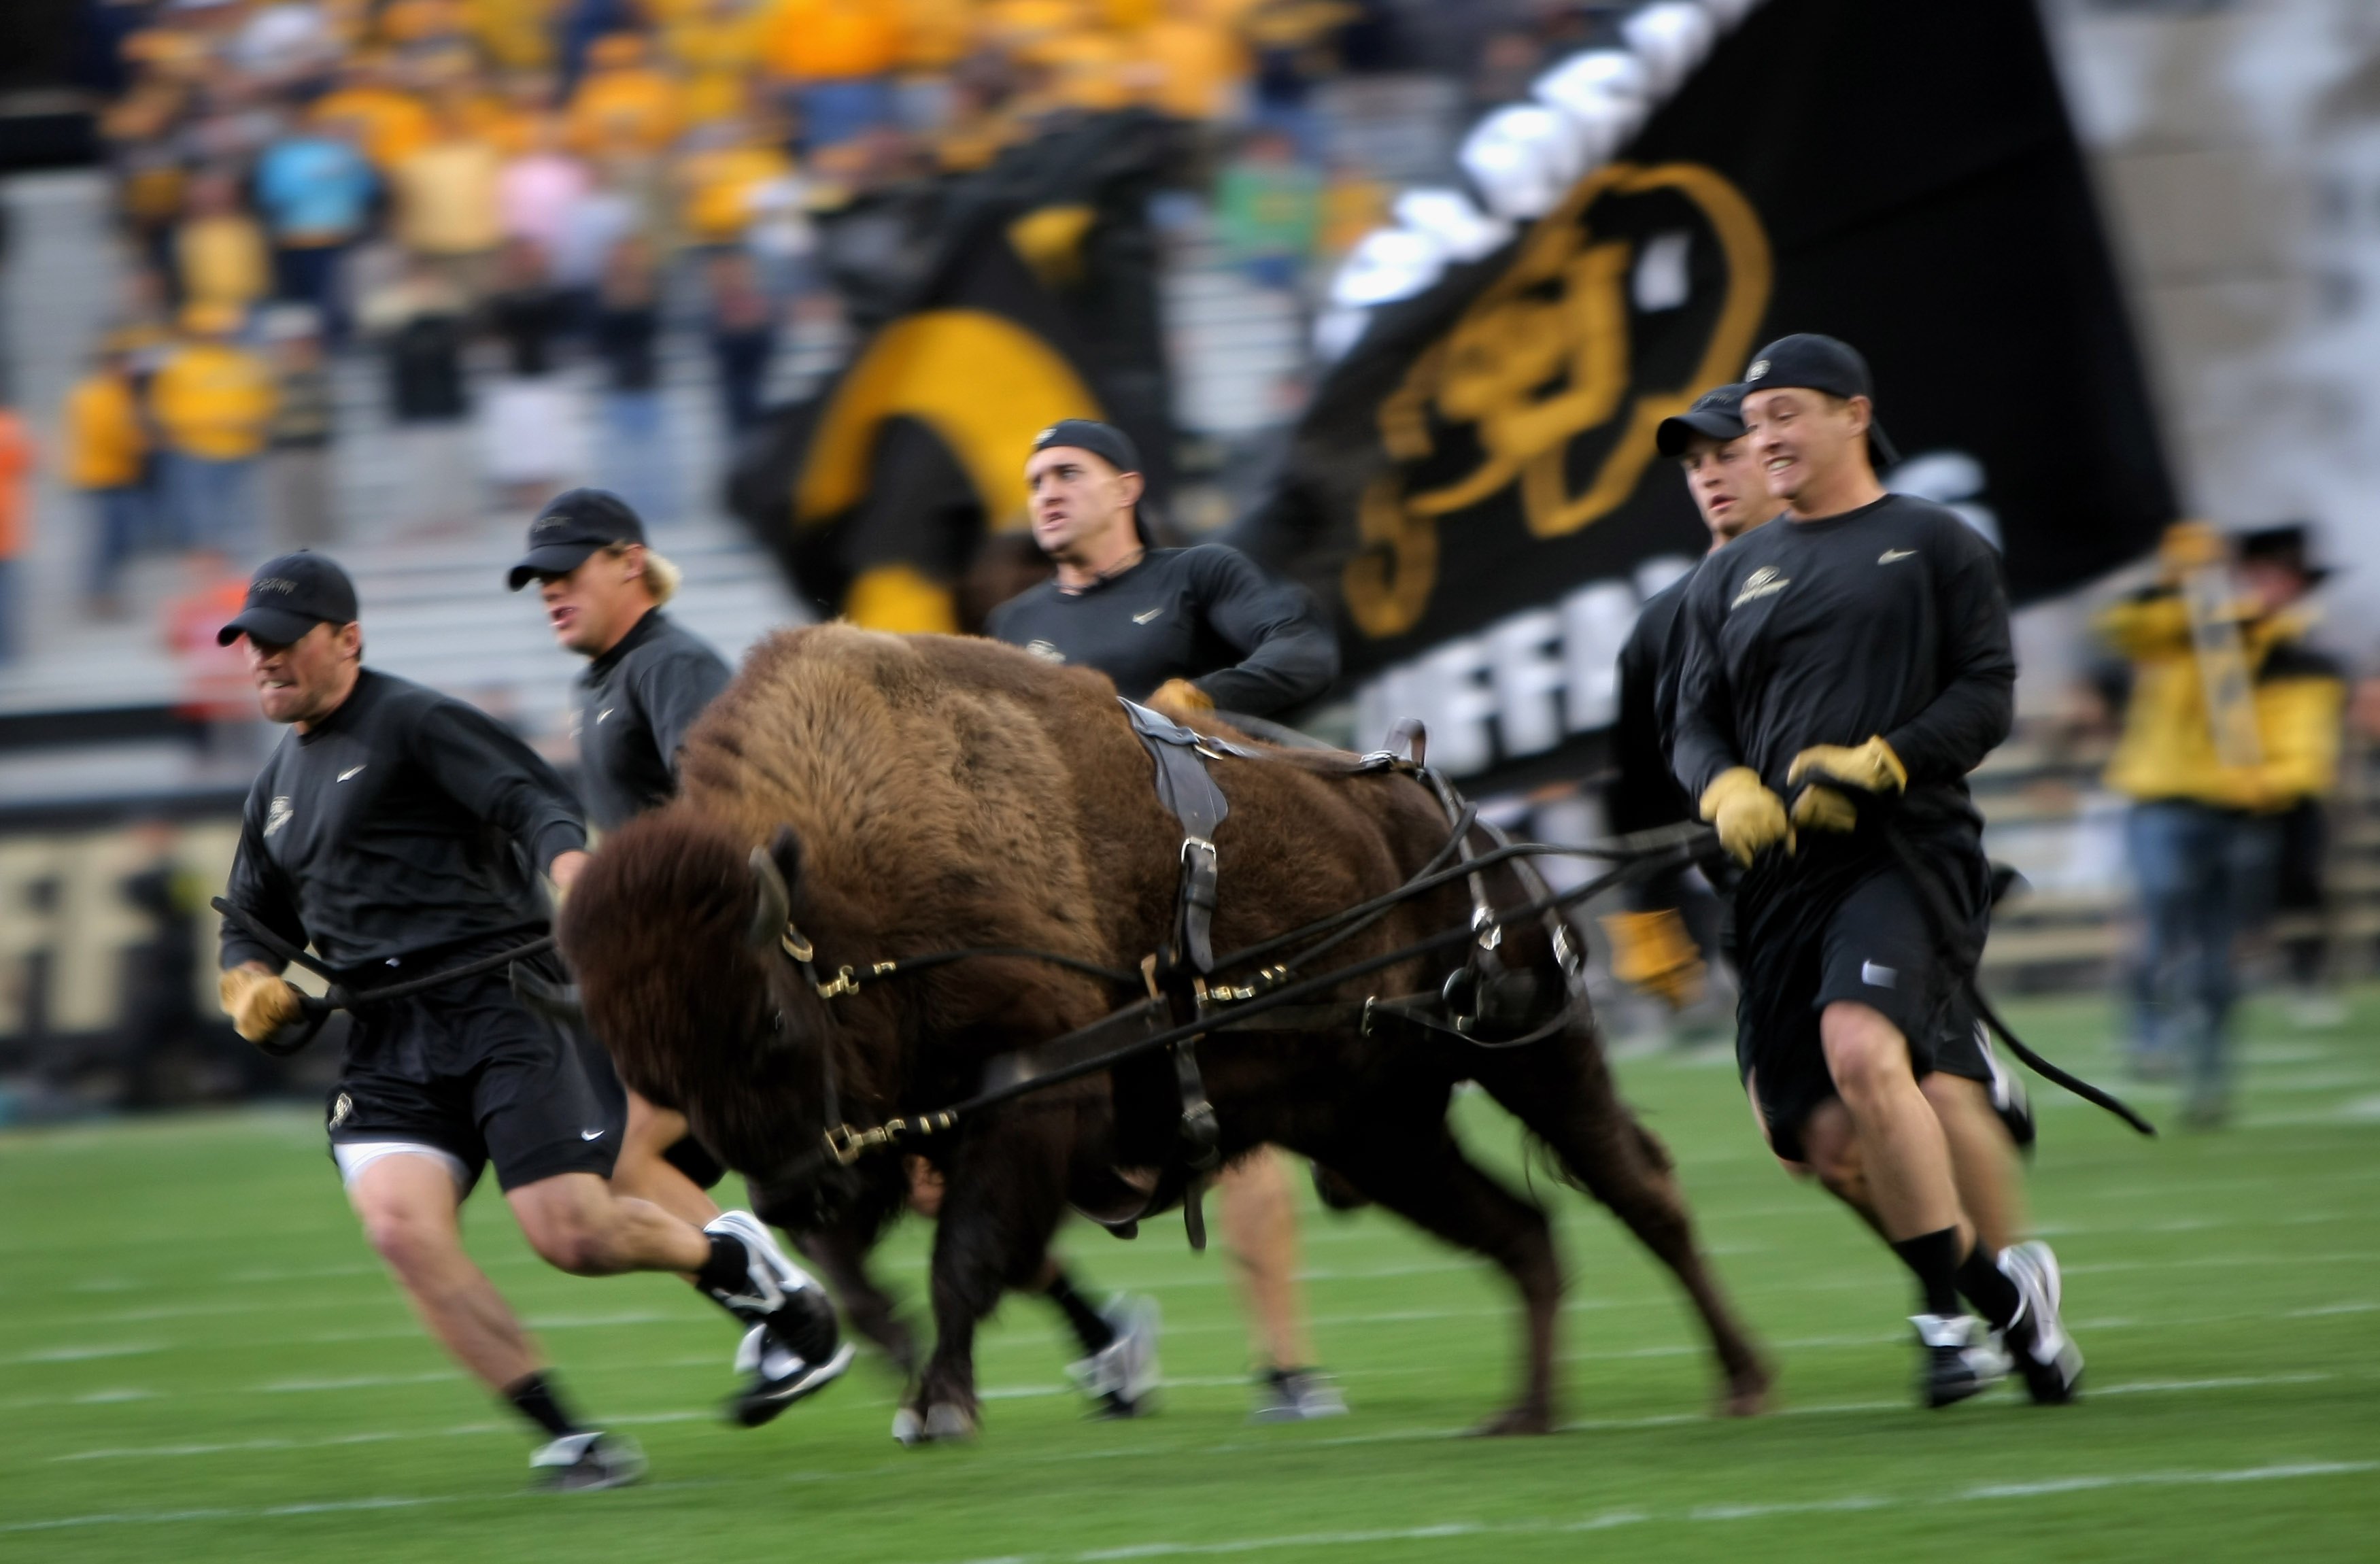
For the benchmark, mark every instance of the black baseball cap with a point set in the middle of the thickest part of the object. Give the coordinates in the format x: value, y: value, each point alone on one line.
x: 1104, y: 440
x: 1717, y: 414
x: 573, y: 525
x: 1821, y: 363
x: 291, y: 595
x: 2289, y: 545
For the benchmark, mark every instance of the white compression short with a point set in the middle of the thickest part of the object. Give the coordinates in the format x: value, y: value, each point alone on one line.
x: 353, y: 1156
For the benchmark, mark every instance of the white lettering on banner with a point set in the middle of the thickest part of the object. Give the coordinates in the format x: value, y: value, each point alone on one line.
x: 1523, y: 684
x: 62, y: 897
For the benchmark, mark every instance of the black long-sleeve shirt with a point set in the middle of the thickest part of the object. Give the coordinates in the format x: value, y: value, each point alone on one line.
x: 634, y: 705
x: 1887, y: 620
x: 1207, y: 614
x: 1643, y: 794
x: 403, y: 822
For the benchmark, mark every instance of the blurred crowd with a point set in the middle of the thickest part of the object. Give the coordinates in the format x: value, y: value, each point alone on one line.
x: 504, y: 203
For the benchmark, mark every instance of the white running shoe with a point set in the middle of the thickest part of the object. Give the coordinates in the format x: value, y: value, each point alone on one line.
x: 771, y: 1278
x: 779, y: 1375
x: 2045, y: 1355
x: 1296, y: 1394
x: 1122, y: 1377
x: 583, y: 1462
x: 1962, y: 1358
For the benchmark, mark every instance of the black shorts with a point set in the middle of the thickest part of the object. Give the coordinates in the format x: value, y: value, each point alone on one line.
x: 466, y: 1070
x: 1876, y: 948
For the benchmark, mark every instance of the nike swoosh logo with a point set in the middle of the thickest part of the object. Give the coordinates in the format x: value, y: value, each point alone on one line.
x: 601, y: 715
x: 352, y: 770
x: 1145, y: 618
x: 1890, y: 554
x: 591, y: 1134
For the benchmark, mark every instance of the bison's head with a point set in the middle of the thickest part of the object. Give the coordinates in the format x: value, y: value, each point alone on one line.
x: 673, y: 933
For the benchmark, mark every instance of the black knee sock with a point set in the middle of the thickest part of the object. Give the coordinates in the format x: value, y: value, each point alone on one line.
x: 1095, y: 1334
x: 729, y: 1268
x: 534, y: 1397
x: 1934, y: 1258
x: 1994, y: 1295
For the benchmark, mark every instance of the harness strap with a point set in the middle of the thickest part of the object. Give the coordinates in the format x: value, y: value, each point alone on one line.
x: 1193, y: 800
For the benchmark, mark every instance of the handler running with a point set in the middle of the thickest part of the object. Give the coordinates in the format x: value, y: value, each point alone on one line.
x: 1192, y: 630
x: 1857, y: 660
x: 1656, y: 947
x: 647, y: 680
x: 398, y: 832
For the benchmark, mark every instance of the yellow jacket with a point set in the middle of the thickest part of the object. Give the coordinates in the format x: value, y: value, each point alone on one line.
x: 222, y: 260
x: 105, y: 439
x: 632, y: 108
x: 2167, y: 749
x: 215, y: 401
x: 830, y: 39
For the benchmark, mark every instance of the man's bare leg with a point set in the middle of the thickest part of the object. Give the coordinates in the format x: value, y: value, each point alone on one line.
x: 409, y: 1207
x: 645, y: 1171
x: 1983, y: 1160
x: 1903, y: 1148
x: 578, y: 1225
x: 1904, y: 1156
x: 1258, y: 1217
x: 409, y: 1204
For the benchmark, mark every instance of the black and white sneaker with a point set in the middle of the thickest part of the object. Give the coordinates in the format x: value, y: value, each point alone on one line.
x: 1962, y: 1358
x: 1122, y: 1377
x: 1296, y: 1394
x: 578, y: 1464
x: 2045, y: 1354
x: 779, y: 1375
x: 770, y: 1279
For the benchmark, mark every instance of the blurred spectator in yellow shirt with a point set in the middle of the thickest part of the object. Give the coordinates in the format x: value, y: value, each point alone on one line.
x: 219, y: 252
x: 836, y: 57
x: 624, y: 104
x: 213, y: 403
x: 1196, y: 65
x: 714, y: 46
x: 515, y: 35
x: 107, y: 458
x: 718, y: 179
x: 16, y: 466
x: 448, y: 209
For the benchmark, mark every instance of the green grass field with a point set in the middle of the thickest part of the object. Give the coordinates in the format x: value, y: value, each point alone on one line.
x: 200, y: 1360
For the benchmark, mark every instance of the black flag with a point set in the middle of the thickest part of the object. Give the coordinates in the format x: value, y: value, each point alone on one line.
x: 1476, y: 486
x: 997, y: 304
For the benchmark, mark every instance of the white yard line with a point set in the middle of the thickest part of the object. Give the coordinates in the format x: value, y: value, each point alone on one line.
x: 1698, y: 1515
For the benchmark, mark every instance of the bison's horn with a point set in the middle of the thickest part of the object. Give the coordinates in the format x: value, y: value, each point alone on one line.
x: 771, y: 903
x: 555, y: 1001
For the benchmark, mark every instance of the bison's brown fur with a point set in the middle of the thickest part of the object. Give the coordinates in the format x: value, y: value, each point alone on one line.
x: 930, y: 794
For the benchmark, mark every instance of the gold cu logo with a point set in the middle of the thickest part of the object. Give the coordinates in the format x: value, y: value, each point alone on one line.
x: 1541, y: 359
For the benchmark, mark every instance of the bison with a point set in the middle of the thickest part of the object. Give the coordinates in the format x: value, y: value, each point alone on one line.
x: 923, y: 794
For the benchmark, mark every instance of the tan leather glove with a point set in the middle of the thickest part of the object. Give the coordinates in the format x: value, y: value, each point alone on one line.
x: 1871, y: 767
x: 259, y: 1003
x: 1653, y: 952
x: 1747, y: 817
x: 1816, y: 807
x: 1180, y: 697
x: 2188, y: 546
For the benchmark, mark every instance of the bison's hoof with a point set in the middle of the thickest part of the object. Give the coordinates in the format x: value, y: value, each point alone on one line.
x: 1519, y: 1420
x: 1746, y: 1395
x: 946, y: 1420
